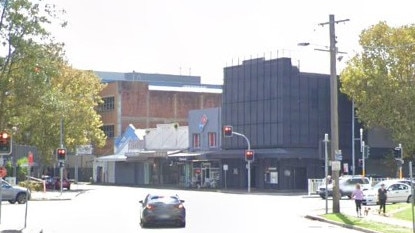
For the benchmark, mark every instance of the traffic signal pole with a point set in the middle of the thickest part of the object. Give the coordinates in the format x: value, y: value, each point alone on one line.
x: 248, y: 163
x: 228, y: 132
x: 61, y: 162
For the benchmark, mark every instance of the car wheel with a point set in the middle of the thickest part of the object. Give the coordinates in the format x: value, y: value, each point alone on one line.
x: 143, y: 224
x: 12, y: 201
x: 21, y: 198
x: 69, y: 188
x: 409, y: 200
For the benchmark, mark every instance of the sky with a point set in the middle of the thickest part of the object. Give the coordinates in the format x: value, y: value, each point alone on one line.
x: 201, y: 38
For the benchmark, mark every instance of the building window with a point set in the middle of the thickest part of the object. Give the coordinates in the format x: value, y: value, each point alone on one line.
x: 212, y: 139
x: 108, y: 130
x: 196, y: 140
x: 108, y: 104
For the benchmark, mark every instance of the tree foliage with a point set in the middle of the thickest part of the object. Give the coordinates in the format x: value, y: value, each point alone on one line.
x: 38, y: 89
x: 381, y: 81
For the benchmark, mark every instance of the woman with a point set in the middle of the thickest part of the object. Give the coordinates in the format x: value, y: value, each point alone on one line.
x: 357, y: 195
x: 382, y: 196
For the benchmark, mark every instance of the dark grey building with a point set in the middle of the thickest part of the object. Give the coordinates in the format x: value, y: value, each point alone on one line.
x: 284, y: 113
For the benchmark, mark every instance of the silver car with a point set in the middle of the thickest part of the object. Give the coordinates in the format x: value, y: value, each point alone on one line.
x: 14, y: 194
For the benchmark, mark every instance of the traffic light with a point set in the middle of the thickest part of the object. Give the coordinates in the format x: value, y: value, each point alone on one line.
x: 61, y: 153
x: 249, y: 155
x: 5, y: 143
x: 360, y: 164
x: 367, y: 151
x: 397, y: 152
x: 227, y: 131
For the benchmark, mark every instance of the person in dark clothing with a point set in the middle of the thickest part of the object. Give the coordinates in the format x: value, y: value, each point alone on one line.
x: 382, y: 196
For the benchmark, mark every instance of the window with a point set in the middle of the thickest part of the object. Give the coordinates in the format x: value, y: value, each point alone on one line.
x: 196, y: 140
x: 108, y: 104
x: 212, y: 139
x: 108, y: 130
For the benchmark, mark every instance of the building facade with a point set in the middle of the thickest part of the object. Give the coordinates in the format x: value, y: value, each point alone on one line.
x: 146, y: 100
x: 284, y: 113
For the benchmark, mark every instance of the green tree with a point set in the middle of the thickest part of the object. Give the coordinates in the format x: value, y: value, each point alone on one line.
x: 38, y: 88
x: 381, y: 81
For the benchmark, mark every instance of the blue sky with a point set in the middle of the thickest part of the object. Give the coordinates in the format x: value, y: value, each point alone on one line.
x: 202, y: 37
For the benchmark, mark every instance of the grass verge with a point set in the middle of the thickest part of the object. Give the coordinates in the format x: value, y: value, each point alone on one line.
x: 360, y: 222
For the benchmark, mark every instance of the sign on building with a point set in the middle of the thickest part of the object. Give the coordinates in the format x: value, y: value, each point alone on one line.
x: 84, y: 150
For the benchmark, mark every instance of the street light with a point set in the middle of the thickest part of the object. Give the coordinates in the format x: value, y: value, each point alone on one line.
x: 333, y: 107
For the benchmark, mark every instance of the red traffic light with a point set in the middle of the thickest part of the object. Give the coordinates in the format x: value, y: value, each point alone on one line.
x: 249, y: 155
x: 227, y: 131
x: 5, y: 143
x: 61, y: 153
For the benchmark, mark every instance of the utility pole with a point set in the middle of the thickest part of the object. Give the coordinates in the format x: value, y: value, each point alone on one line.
x: 334, y: 109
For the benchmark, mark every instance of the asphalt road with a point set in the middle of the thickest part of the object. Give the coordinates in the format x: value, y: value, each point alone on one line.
x: 108, y: 209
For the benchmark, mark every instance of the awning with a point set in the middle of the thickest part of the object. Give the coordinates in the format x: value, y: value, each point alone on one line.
x: 282, y: 153
x: 184, y: 154
x: 111, y: 158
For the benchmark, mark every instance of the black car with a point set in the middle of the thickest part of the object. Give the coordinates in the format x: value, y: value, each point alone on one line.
x: 162, y: 209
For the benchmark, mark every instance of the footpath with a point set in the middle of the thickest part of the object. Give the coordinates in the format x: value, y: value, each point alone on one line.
x: 54, y: 195
x: 372, y: 215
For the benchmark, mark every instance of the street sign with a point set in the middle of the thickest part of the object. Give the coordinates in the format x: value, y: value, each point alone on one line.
x: 335, y: 165
x: 84, y: 150
x: 3, y: 172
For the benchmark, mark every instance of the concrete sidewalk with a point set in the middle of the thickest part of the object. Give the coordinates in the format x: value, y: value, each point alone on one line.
x: 373, y: 215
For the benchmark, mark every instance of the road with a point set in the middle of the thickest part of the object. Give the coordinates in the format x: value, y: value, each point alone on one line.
x: 109, y: 209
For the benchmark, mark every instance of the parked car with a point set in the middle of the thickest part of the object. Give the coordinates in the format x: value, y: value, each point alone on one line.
x: 346, y: 186
x: 54, y: 183
x: 14, y: 194
x: 396, y: 192
x: 161, y: 209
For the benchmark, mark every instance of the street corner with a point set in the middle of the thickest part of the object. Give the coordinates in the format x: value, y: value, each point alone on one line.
x: 53, y: 196
x: 25, y: 230
x: 311, y: 196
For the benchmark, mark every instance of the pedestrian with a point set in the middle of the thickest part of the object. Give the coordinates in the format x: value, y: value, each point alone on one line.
x: 357, y: 195
x: 382, y: 197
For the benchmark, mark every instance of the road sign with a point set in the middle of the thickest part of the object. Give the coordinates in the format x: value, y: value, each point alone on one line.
x: 3, y: 172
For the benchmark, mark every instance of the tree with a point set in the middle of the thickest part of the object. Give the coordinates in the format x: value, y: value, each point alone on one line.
x: 37, y: 86
x: 381, y: 81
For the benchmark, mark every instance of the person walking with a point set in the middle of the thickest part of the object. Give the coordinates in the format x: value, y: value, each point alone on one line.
x: 357, y: 195
x: 382, y: 197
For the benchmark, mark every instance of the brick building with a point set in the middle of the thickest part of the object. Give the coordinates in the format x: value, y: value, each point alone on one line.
x: 146, y: 100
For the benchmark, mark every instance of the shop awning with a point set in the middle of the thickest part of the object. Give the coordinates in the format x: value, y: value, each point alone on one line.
x: 112, y: 158
x: 184, y: 154
x: 266, y: 153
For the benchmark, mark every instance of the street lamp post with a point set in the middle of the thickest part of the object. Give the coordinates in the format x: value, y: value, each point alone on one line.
x: 333, y: 107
